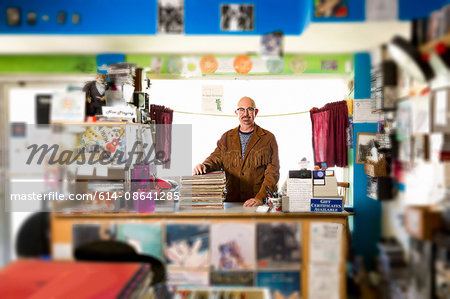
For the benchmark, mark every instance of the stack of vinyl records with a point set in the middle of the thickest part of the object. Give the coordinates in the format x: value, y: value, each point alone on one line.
x: 204, y: 191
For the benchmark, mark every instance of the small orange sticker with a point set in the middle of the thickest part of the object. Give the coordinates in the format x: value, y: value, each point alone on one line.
x: 242, y: 64
x: 208, y: 64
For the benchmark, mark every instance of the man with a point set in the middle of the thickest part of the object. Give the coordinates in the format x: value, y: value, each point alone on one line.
x: 95, y: 95
x: 249, y: 156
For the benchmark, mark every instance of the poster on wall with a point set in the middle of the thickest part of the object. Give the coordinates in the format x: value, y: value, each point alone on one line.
x: 237, y: 17
x: 212, y: 98
x: 170, y: 16
x: 330, y: 8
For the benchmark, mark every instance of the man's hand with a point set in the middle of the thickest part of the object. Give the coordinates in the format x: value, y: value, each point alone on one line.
x: 253, y: 202
x: 199, y: 169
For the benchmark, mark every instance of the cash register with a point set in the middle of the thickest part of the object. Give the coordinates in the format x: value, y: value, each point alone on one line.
x: 312, y: 191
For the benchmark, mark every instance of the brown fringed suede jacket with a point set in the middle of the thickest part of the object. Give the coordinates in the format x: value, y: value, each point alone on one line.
x: 247, y: 178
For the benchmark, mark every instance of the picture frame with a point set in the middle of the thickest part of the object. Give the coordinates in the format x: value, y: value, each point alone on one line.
x: 170, y: 16
x: 363, y: 146
x: 237, y: 17
x: 331, y: 9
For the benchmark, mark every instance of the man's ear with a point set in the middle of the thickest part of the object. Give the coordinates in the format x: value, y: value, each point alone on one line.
x: 256, y: 111
x: 235, y: 112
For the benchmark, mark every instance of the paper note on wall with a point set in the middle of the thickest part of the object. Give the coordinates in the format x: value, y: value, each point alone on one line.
x: 325, y: 242
x: 362, y: 112
x: 212, y: 98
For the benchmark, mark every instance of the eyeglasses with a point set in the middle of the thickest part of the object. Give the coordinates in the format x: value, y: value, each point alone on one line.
x: 249, y: 110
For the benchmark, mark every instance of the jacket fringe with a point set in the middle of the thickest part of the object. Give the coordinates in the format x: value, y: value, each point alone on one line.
x: 232, y: 159
x: 258, y: 159
x: 254, y: 159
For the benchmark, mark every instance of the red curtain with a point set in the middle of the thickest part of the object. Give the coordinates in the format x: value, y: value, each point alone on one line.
x: 329, y: 127
x: 163, y: 143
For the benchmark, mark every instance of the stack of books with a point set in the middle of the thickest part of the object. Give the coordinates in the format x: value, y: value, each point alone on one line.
x: 204, y: 191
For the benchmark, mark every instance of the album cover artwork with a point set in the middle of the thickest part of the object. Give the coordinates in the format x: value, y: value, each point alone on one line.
x: 232, y: 246
x: 271, y: 44
x: 282, y: 285
x: 237, y: 17
x: 239, y: 278
x: 278, y: 245
x: 330, y: 8
x: 187, y: 246
x: 170, y: 16
x: 145, y: 238
x: 84, y: 233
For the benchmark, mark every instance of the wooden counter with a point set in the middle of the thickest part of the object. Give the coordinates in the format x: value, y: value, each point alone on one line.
x: 230, y: 210
x: 61, y: 228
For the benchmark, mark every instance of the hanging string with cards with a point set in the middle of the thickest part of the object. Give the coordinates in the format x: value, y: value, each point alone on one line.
x: 232, y: 115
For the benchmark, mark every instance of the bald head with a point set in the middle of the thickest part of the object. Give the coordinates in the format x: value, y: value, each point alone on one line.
x: 246, y: 112
x: 247, y: 102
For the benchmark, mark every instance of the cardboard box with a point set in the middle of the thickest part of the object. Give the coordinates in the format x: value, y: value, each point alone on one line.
x: 421, y: 222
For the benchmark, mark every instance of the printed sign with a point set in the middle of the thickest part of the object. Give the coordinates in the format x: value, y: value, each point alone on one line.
x: 124, y: 112
x: 326, y: 205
